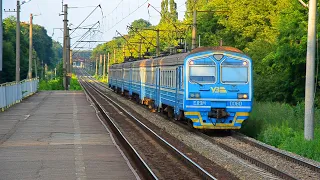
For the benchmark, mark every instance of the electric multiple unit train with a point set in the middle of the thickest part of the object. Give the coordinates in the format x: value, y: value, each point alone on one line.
x: 210, y: 87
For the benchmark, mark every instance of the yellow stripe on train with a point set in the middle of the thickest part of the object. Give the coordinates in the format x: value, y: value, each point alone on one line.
x: 217, y: 125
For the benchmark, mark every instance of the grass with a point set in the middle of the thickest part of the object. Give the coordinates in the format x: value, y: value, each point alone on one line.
x: 101, y: 79
x: 282, y: 126
x: 74, y: 85
x: 57, y: 84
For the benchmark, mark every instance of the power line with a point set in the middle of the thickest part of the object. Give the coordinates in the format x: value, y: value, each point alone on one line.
x: 115, y: 7
x: 84, y: 35
x: 85, y: 18
x: 128, y: 15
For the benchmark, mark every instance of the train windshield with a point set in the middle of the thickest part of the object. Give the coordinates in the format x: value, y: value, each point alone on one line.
x: 234, y: 71
x: 202, y: 74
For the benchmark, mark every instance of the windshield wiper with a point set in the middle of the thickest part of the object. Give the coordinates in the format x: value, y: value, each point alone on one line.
x: 196, y: 82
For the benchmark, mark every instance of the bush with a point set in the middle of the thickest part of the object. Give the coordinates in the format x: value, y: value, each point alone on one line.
x: 51, y: 85
x: 74, y: 84
x: 282, y: 126
x: 275, y: 136
x: 299, y: 145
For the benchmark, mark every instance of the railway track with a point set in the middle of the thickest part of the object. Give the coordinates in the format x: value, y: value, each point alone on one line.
x: 155, y: 157
x: 301, y: 168
x: 271, y: 160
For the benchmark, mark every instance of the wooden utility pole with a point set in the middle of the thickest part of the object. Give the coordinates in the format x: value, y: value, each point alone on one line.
x: 310, y: 71
x: 30, y: 48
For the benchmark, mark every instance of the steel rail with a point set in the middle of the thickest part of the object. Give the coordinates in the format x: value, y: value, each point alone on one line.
x: 202, y: 172
x: 140, y: 163
x: 301, y: 162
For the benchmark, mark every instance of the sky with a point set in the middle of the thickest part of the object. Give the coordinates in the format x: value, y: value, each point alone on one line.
x: 113, y: 15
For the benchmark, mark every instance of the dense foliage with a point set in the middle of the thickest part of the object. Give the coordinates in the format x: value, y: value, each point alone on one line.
x: 281, y: 125
x: 273, y: 33
x: 46, y: 51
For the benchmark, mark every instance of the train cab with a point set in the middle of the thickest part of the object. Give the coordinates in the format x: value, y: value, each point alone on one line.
x: 218, y: 93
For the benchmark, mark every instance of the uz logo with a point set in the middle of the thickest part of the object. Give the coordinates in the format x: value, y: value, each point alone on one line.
x: 218, y: 90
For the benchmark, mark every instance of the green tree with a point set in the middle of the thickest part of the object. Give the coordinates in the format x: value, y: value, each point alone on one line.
x: 173, y: 11
x: 43, y: 49
x: 164, y: 11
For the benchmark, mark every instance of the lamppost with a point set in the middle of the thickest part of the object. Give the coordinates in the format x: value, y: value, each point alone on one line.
x: 18, y: 39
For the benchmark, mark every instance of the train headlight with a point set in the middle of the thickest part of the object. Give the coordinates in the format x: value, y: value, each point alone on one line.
x: 194, y: 95
x: 243, y: 96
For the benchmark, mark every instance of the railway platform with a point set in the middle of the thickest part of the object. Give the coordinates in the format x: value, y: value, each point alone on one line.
x: 57, y: 135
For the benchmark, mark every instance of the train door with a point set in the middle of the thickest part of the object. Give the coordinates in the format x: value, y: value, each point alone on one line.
x: 158, y: 85
x: 130, y: 81
x: 177, y: 87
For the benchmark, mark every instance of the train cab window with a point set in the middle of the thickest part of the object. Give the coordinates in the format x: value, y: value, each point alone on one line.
x: 202, y: 74
x: 234, y: 71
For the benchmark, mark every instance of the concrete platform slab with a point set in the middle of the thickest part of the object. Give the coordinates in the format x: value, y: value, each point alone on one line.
x: 57, y: 135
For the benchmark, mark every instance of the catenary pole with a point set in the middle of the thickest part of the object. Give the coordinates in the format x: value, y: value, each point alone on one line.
x: 1, y: 37
x: 35, y: 67
x: 96, y: 66
x: 65, y: 21
x: 71, y: 60
x: 30, y: 48
x: 158, y: 42
x: 65, y: 26
x: 108, y: 64
x: 100, y: 65
x: 194, y: 28
x: 104, y: 66
x: 18, y: 43
x: 68, y: 59
x: 310, y: 72
x: 114, y: 55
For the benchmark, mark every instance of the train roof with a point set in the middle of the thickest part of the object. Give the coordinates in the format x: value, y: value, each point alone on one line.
x: 217, y: 48
x: 176, y: 59
x: 172, y: 60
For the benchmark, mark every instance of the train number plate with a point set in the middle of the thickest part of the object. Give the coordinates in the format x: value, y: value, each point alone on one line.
x: 199, y: 103
x: 235, y: 103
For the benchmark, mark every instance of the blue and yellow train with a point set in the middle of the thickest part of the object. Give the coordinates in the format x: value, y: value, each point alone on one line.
x: 210, y: 87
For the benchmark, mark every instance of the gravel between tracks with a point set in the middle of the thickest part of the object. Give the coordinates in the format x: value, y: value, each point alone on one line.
x: 238, y: 167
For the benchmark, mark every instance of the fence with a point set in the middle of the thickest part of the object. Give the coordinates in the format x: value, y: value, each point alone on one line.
x: 12, y: 93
